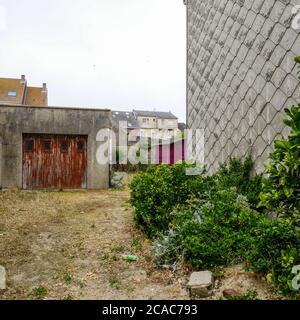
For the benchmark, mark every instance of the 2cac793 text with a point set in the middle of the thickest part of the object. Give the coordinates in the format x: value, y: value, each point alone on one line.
x: 176, y: 309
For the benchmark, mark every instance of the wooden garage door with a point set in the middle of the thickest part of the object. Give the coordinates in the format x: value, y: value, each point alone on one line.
x: 54, y: 161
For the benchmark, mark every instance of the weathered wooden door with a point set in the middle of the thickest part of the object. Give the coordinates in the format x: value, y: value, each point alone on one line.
x: 54, y: 161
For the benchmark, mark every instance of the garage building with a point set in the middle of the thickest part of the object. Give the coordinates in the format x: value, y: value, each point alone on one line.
x: 51, y: 147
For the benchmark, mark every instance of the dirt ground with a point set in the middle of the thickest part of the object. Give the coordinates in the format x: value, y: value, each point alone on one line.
x: 70, y: 244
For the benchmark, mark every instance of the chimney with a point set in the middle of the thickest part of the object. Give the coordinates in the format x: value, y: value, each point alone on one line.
x: 23, y: 79
x: 45, y: 95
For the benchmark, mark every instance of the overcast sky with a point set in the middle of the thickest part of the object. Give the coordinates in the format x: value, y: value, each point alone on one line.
x: 118, y: 54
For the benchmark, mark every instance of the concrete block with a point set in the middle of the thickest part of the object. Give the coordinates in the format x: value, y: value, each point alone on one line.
x: 257, y: 4
x: 200, y: 284
x: 267, y: 28
x: 289, y: 85
x: 2, y: 278
x: 278, y: 77
x: 279, y: 98
x: 288, y: 39
x: 277, y: 11
x: 250, y: 19
x: 277, y: 33
x: 278, y: 55
x: 258, y: 23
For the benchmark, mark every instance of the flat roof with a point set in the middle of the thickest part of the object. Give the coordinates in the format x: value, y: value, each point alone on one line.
x: 56, y: 107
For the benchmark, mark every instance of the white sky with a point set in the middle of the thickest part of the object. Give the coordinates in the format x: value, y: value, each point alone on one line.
x: 118, y: 54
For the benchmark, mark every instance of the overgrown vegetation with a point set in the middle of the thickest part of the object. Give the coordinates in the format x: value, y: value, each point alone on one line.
x: 157, y: 191
x: 229, y: 217
x: 281, y: 187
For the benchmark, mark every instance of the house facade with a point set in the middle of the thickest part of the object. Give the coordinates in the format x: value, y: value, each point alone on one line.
x: 157, y: 125
x: 241, y: 74
x: 17, y: 92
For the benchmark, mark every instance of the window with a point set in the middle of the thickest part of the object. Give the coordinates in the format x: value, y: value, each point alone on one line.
x: 80, y: 146
x: 144, y: 120
x: 12, y: 93
x: 47, y: 145
x: 64, y: 146
x: 29, y: 145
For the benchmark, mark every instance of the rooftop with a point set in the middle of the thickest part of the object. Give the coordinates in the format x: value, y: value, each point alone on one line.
x: 128, y: 116
x: 158, y: 114
x: 16, y: 91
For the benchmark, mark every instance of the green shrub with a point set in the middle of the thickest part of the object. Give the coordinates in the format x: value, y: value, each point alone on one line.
x: 157, y: 191
x: 281, y: 187
x: 275, y: 251
x: 215, y: 230
x: 237, y: 173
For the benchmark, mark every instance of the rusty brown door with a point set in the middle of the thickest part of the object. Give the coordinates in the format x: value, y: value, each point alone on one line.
x: 54, y: 161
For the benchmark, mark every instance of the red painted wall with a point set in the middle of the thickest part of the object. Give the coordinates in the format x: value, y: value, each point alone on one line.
x: 171, y: 153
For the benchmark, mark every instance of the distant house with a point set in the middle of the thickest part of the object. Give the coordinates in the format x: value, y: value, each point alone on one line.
x: 125, y: 122
x: 157, y: 125
x: 16, y: 92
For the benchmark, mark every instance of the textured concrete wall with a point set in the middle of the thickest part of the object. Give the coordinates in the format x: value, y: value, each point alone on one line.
x: 241, y: 75
x: 16, y: 120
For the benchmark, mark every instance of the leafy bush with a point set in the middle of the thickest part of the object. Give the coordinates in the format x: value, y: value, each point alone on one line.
x: 157, y: 191
x: 237, y: 173
x: 281, y: 187
x: 209, y: 232
x: 275, y: 251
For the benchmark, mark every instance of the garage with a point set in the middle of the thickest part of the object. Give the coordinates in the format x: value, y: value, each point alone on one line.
x: 52, y: 148
x: 54, y: 161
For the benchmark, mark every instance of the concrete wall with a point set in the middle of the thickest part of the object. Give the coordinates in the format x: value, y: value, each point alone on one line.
x: 16, y: 120
x: 241, y: 75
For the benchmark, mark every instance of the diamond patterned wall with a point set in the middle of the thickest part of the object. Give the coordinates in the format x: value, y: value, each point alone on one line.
x: 241, y: 75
